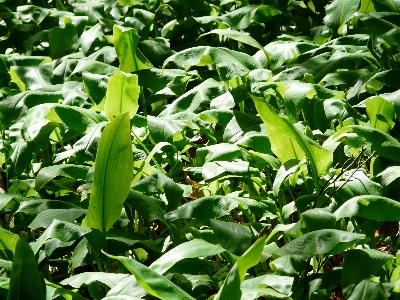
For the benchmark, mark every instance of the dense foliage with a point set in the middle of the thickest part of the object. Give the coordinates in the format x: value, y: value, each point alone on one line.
x: 199, y: 149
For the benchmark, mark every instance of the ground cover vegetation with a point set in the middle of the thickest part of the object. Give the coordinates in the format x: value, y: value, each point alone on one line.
x: 202, y: 149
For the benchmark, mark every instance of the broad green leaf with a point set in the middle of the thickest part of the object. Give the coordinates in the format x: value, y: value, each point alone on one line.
x: 8, y: 242
x: 219, y: 152
x: 284, y: 51
x: 381, y: 28
x: 282, y: 284
x: 315, y: 219
x: 154, y: 283
x: 339, y: 12
x: 26, y: 282
x: 238, y: 36
x: 94, y: 67
x: 194, y: 98
x: 231, y: 287
x: 380, y: 113
x: 192, y: 249
x: 233, y: 237
x: 32, y: 77
x: 48, y: 173
x: 130, y: 57
x: 112, y: 176
x: 370, y: 207
x: 91, y: 37
x: 158, y: 183
x: 63, y: 231
x: 148, y: 207
x: 87, y: 278
x: 369, y: 260
x: 231, y: 64
x: 45, y: 218
x: 217, y: 206
x: 387, y: 5
x: 243, y: 16
x: 122, y: 95
x: 95, y: 86
x: 214, y: 170
x: 288, y: 265
x: 288, y: 143
x: 389, y: 175
x: 63, y: 40
x: 382, y: 143
x: 371, y: 290
x: 324, y: 241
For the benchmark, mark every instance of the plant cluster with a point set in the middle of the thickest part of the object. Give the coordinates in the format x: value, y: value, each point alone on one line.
x: 202, y: 149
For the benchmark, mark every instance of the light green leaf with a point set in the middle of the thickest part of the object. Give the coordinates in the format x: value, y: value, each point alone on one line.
x: 192, y: 249
x: 324, y: 241
x: 112, y: 175
x: 238, y: 36
x: 230, y: 289
x: 231, y: 64
x: 122, y: 95
x: 87, y: 278
x: 370, y: 207
x: 154, y: 283
x: 130, y: 57
x: 288, y: 143
x: 381, y: 113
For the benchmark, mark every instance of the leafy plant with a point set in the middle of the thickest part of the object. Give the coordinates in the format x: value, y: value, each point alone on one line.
x: 199, y: 149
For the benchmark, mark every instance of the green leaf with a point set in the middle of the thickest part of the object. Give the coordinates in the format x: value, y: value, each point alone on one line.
x: 32, y: 77
x: 192, y: 249
x: 288, y: 143
x: 382, y: 143
x: 339, y: 12
x: 154, y: 283
x: 381, y: 113
x: 63, y: 40
x: 381, y: 28
x: 389, y: 175
x: 243, y: 16
x: 95, y: 86
x: 238, y: 36
x: 370, y: 207
x: 217, y: 206
x: 122, y: 95
x: 148, y: 207
x: 87, y: 278
x: 8, y: 242
x: 112, y: 175
x: 369, y: 260
x: 231, y: 64
x: 63, y: 231
x: 368, y: 290
x: 71, y: 171
x: 231, y: 287
x: 315, y: 219
x: 387, y: 5
x: 45, y: 218
x: 233, y: 237
x: 25, y: 275
x: 130, y: 57
x: 324, y: 241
